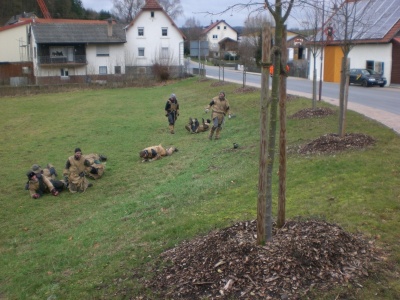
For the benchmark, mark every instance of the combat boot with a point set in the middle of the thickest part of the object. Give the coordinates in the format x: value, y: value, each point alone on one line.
x: 171, y: 129
x: 217, y: 133
x: 210, y: 135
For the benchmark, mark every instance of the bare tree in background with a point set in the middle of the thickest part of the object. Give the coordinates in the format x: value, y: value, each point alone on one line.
x: 192, y: 30
x: 313, y: 15
x: 172, y: 7
x: 351, y: 20
x: 126, y: 10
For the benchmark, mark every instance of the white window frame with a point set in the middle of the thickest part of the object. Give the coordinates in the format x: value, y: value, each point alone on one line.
x: 103, y: 70
x: 164, y: 31
x: 164, y: 52
x: 140, y: 31
x: 64, y: 72
x: 102, y: 50
x: 141, y: 51
x: 215, y: 36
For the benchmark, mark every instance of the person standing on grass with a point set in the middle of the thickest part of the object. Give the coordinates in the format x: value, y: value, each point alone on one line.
x: 39, y: 184
x: 172, y: 112
x: 74, y: 172
x: 220, y: 107
x: 156, y: 152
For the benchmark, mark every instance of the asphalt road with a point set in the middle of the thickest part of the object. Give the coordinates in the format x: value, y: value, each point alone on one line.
x: 381, y: 104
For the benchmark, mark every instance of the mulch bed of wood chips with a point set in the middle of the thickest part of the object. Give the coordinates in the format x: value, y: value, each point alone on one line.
x: 311, y: 113
x: 331, y: 143
x: 227, y: 264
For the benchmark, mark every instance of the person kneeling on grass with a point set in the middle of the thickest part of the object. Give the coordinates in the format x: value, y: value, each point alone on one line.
x: 195, y: 127
x: 75, y: 172
x: 156, y: 152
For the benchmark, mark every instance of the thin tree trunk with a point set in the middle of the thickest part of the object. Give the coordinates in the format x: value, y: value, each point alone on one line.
x: 341, y: 96
x: 264, y: 102
x: 346, y: 96
x: 282, y: 137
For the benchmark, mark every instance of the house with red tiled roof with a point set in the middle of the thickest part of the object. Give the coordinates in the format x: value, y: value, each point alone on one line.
x: 51, y: 51
x: 153, y: 38
x: 222, y: 39
x: 375, y: 40
x: 61, y: 50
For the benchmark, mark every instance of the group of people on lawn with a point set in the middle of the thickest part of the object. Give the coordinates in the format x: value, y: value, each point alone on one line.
x: 220, y: 108
x: 78, y: 166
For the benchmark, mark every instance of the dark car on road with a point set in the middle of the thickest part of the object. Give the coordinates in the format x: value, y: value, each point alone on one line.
x: 367, y: 77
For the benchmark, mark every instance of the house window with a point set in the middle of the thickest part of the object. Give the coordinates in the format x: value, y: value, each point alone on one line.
x: 141, y: 51
x: 164, y: 52
x: 102, y: 51
x: 141, y: 31
x: 64, y: 72
x: 164, y: 31
x: 224, y: 27
x: 152, y: 14
x: 217, y: 27
x: 117, y: 69
x: 215, y: 36
x: 103, y: 70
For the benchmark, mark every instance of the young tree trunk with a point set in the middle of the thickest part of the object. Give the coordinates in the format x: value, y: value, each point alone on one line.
x: 346, y: 96
x: 282, y: 137
x: 342, y: 106
x: 314, y: 84
x: 262, y: 224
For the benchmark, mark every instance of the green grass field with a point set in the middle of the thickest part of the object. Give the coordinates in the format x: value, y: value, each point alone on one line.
x: 88, y: 245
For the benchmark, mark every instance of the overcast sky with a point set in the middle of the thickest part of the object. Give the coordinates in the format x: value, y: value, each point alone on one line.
x: 193, y: 8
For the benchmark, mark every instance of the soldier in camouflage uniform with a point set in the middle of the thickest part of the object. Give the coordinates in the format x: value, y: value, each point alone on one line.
x: 156, y: 152
x: 42, y: 181
x: 195, y: 127
x: 220, y: 107
x: 39, y: 184
x: 97, y: 165
x: 75, y: 172
x: 172, y: 112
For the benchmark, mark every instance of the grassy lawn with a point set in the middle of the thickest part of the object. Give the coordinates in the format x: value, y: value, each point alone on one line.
x: 88, y: 245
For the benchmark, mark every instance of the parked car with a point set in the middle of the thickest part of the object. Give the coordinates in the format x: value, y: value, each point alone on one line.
x: 367, y: 77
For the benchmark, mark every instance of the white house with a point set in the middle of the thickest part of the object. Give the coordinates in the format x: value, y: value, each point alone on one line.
x: 75, y: 50
x: 376, y: 41
x: 217, y: 32
x: 153, y: 38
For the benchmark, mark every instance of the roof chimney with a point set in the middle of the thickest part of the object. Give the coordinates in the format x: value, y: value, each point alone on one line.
x: 109, y: 27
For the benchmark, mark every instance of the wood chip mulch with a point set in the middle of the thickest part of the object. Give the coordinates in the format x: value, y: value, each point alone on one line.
x: 331, y: 143
x: 312, y: 113
x: 227, y: 264
x: 244, y: 90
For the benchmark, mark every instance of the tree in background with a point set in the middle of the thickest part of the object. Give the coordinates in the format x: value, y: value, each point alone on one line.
x: 312, y: 28
x: 192, y: 30
x: 126, y: 10
x: 251, y: 35
x: 351, y: 20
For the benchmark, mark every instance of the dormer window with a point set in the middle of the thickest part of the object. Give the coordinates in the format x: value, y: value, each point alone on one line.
x: 152, y: 14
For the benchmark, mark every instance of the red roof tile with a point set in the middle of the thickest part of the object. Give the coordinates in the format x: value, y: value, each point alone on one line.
x: 152, y: 5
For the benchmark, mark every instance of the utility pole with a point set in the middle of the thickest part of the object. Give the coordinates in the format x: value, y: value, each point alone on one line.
x: 322, y: 50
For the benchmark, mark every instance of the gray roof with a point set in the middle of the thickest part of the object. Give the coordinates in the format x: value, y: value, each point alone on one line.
x: 58, y: 33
